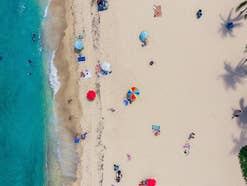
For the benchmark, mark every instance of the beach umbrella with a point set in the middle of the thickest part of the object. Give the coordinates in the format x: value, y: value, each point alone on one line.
x: 91, y: 95
x: 143, y: 36
x: 105, y: 66
x: 78, y: 45
x: 229, y: 25
x: 133, y: 93
x: 151, y: 182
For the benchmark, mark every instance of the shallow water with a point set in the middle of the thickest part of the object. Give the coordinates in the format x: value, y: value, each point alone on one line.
x: 23, y: 99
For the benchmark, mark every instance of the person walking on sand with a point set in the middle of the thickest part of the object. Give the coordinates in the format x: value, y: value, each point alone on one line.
x: 236, y: 113
x: 191, y: 135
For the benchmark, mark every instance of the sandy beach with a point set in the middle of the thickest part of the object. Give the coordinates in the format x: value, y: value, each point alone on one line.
x: 184, y: 91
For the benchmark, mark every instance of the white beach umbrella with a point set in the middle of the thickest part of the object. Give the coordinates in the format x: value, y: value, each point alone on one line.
x: 105, y: 66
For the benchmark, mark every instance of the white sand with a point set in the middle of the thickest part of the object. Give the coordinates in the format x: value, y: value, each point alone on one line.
x: 183, y: 92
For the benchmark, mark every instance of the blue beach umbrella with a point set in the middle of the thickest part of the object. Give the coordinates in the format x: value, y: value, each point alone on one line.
x: 143, y: 36
x: 78, y: 45
x: 230, y: 25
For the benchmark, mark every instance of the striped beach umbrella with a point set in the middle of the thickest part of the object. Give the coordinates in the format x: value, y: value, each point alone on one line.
x: 133, y: 93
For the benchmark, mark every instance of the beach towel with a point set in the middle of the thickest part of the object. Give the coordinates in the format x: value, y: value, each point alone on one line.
x: 76, y: 140
x: 81, y: 59
x: 157, y: 11
x: 156, y: 127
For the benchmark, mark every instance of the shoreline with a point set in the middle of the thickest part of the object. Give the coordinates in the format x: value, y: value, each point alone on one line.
x: 68, y: 114
x: 63, y: 154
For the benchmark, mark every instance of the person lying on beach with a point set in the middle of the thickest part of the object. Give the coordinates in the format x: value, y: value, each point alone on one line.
x: 129, y: 157
x: 84, y: 136
x: 112, y: 109
x: 199, y: 14
x: 186, y: 152
x: 186, y: 148
x: 191, y: 135
x: 118, y: 176
x: 236, y: 113
x: 144, y: 43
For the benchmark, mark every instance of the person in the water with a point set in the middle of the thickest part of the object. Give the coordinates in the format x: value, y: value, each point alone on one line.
x: 29, y: 61
x: 33, y: 37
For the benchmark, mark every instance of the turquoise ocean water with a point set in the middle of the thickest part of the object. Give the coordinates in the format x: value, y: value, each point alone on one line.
x: 23, y: 98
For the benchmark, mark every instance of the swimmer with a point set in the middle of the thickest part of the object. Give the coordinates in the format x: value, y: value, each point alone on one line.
x: 33, y: 37
x: 29, y: 61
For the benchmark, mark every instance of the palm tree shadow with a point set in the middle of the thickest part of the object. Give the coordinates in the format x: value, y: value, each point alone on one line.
x: 242, y: 119
x: 227, y: 25
x: 239, y: 142
x: 234, y: 75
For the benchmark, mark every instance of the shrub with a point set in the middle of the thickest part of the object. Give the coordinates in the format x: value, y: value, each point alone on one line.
x: 243, y: 161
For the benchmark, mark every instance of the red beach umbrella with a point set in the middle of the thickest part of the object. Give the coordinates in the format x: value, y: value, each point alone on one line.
x: 151, y: 182
x: 91, y: 95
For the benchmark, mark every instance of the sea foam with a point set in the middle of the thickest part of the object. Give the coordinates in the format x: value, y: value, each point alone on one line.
x: 53, y: 77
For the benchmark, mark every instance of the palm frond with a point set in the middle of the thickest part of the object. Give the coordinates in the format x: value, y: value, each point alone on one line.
x: 241, y: 5
x: 229, y: 15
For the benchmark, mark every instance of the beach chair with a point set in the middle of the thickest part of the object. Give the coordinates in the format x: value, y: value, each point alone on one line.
x: 81, y: 59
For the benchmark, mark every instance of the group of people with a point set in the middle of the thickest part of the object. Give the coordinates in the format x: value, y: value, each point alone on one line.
x: 78, y: 137
x: 29, y: 61
x: 118, y: 173
x: 186, y: 146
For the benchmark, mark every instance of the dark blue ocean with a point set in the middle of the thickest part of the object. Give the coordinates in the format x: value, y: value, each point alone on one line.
x: 22, y: 95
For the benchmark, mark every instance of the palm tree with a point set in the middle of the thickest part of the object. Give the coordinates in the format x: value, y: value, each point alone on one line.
x: 229, y: 23
x: 242, y: 9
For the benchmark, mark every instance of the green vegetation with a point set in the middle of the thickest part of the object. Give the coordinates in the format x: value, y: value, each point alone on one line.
x: 243, y: 161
